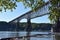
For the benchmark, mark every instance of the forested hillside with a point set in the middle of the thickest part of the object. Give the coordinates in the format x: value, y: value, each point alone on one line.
x: 4, y: 26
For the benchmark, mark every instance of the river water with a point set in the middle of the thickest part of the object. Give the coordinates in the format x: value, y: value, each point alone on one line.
x: 38, y: 38
x: 7, y: 34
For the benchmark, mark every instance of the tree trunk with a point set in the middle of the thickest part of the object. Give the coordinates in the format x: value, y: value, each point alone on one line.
x: 57, y: 30
x: 57, y: 37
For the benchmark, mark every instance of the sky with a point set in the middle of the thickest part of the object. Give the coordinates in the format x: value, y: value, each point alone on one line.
x: 20, y: 10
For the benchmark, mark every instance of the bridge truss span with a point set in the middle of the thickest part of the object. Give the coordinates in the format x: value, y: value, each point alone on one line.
x: 44, y: 10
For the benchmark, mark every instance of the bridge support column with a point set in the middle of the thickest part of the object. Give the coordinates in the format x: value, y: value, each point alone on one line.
x: 57, y: 30
x: 17, y: 26
x: 29, y: 28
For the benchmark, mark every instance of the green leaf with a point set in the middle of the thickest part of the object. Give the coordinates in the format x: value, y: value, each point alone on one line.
x: 18, y: 0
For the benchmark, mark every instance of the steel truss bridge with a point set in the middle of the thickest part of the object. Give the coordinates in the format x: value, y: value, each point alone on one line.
x: 44, y: 10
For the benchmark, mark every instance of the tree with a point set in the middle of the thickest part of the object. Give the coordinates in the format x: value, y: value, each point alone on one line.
x: 11, y: 4
x: 7, y: 5
x: 54, y: 10
x: 55, y: 15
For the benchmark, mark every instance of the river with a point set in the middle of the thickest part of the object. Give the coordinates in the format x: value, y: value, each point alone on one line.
x: 5, y: 34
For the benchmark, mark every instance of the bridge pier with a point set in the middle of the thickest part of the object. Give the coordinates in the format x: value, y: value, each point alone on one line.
x: 29, y: 28
x: 17, y: 26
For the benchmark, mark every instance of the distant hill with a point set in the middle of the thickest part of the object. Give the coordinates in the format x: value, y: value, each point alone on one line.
x: 4, y: 26
x: 38, y: 26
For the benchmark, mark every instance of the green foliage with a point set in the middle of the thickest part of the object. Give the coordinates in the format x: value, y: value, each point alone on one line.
x: 54, y: 10
x: 11, y: 4
x: 34, y: 4
x: 7, y: 4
